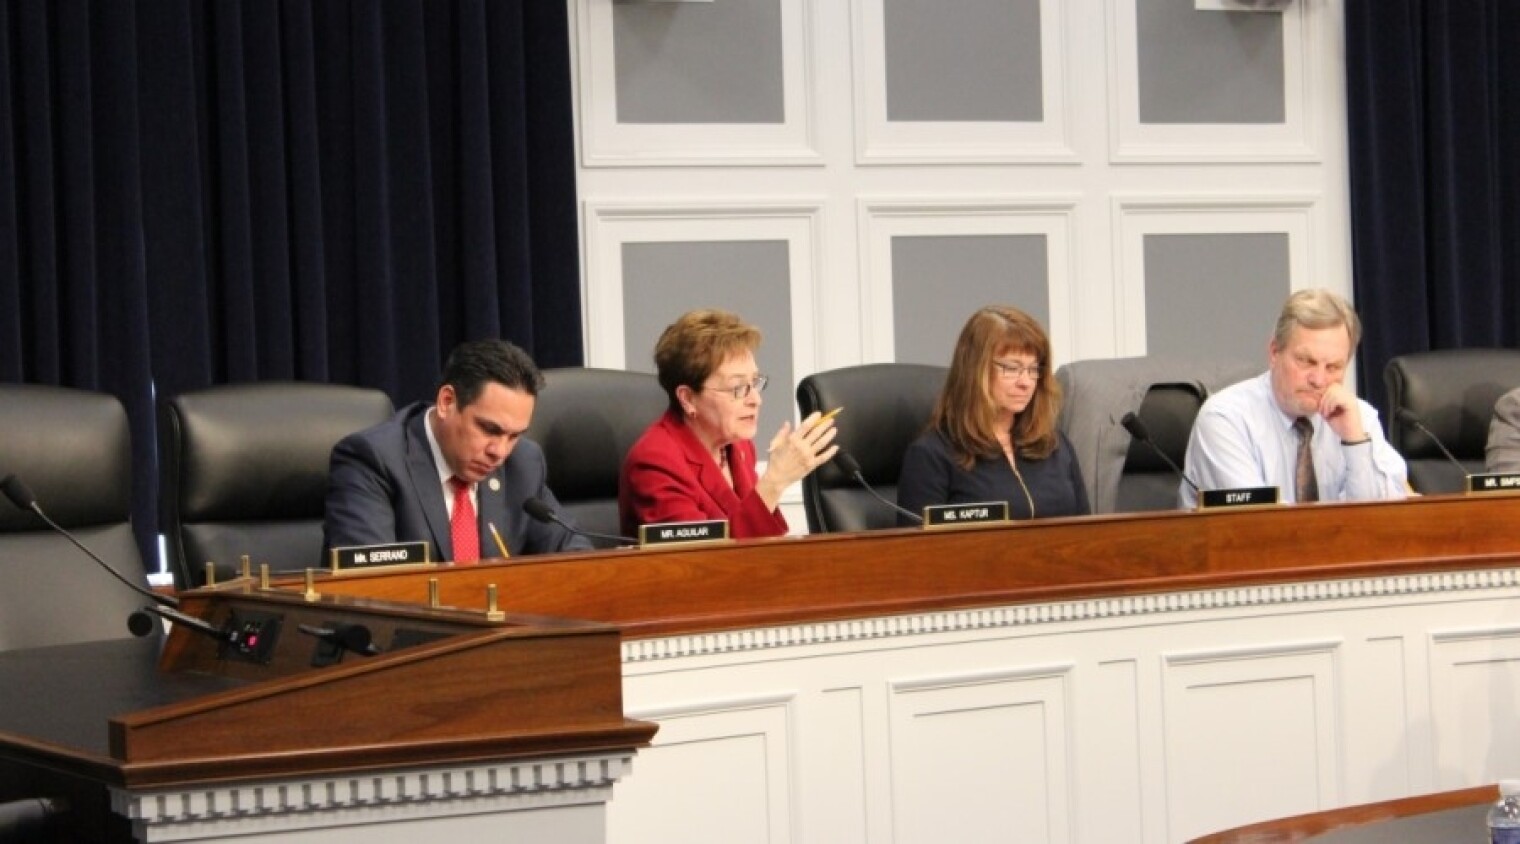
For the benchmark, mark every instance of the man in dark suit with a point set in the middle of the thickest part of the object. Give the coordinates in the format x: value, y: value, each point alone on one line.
x: 454, y: 473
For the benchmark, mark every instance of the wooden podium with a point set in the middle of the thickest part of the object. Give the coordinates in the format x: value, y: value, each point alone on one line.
x: 461, y: 721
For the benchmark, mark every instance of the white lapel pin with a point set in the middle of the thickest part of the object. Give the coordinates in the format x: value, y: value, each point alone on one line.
x: 495, y: 485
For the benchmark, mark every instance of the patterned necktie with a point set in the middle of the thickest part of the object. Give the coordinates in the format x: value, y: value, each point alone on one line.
x: 463, y: 529
x: 1305, y: 486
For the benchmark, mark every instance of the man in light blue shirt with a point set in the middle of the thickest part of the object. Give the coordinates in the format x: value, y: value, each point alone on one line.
x: 1245, y: 434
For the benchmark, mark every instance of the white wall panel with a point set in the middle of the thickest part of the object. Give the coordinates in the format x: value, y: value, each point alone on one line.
x: 1147, y: 718
x: 1251, y: 733
x: 990, y: 746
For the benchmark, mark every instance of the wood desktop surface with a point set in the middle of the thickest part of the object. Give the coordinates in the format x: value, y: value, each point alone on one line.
x: 1448, y: 816
x: 657, y: 592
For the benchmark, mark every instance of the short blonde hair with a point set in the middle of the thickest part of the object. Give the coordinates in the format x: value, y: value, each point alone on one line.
x: 1316, y: 309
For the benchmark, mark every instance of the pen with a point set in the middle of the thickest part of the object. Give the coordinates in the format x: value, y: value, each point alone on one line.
x: 500, y: 546
x: 826, y: 417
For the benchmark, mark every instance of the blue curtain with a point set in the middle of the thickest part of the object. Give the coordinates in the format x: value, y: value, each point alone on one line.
x: 194, y: 193
x: 1433, y: 90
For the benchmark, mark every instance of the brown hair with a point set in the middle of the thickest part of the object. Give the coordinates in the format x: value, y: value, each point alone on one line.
x: 966, y: 412
x: 696, y: 344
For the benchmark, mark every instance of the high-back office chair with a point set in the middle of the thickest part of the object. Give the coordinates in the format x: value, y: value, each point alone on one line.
x: 1146, y: 482
x: 1452, y: 392
x: 73, y: 450
x: 886, y: 406
x: 586, y: 420
x: 1165, y: 392
x: 244, y: 471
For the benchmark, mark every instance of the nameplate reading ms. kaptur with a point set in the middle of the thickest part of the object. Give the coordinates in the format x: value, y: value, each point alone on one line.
x: 670, y: 533
x: 955, y: 515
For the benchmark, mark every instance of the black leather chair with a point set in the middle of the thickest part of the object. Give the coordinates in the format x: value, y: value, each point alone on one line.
x: 586, y: 420
x: 886, y: 406
x: 1166, y: 392
x: 1146, y: 482
x: 73, y: 450
x: 244, y: 471
x: 1453, y: 393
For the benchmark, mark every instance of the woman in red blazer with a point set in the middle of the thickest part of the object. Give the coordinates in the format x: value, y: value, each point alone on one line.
x: 697, y: 461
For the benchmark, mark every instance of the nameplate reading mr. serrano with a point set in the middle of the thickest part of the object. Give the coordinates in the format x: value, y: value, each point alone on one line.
x: 671, y: 533
x: 954, y: 515
x: 361, y: 557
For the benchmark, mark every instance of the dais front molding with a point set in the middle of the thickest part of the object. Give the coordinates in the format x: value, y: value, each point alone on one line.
x: 1025, y: 615
x: 382, y: 797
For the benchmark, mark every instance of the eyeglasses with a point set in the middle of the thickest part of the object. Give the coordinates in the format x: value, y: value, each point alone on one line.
x: 1012, y: 372
x: 740, y: 392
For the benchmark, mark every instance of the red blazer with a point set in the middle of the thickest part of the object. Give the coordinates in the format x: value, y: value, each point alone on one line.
x: 668, y: 476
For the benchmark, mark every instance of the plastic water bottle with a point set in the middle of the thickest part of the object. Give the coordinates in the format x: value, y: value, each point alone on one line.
x: 1504, y: 816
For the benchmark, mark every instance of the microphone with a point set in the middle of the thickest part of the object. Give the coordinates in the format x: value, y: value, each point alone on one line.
x: 851, y: 468
x: 1137, y: 429
x: 1412, y: 419
x: 21, y: 496
x: 140, y: 624
x: 542, y: 512
x: 348, y: 637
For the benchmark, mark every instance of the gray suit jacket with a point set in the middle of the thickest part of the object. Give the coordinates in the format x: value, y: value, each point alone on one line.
x: 383, y: 487
x: 1503, y: 453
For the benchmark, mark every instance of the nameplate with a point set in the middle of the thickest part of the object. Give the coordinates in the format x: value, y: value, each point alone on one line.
x: 1248, y: 496
x: 955, y: 515
x: 364, y: 557
x: 672, y: 533
x: 1493, y: 482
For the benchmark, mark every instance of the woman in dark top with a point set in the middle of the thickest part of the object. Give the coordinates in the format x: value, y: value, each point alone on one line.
x: 993, y: 434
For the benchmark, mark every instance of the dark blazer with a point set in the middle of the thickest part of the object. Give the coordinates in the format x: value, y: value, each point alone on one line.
x: 668, y: 476
x: 930, y: 476
x: 383, y: 487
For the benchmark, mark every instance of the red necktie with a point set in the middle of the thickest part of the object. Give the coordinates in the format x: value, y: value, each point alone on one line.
x: 463, y: 530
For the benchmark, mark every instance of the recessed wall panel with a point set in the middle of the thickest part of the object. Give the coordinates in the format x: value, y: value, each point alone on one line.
x: 699, y: 62
x: 1199, y: 66
x: 939, y: 281
x: 980, y: 62
x: 661, y: 281
x: 1214, y: 294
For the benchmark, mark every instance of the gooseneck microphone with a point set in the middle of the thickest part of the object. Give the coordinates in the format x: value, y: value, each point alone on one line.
x: 542, y: 512
x: 1137, y: 429
x: 1412, y: 419
x: 21, y: 496
x: 141, y: 624
x: 851, y: 468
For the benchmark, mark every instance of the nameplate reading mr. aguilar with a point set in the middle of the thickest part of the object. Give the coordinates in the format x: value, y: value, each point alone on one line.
x: 357, y: 557
x: 951, y: 515
x: 670, y: 533
x: 1246, y: 496
x: 1494, y: 482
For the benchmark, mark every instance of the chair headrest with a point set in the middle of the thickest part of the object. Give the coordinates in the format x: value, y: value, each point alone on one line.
x: 1452, y: 391
x: 72, y: 448
x: 261, y: 450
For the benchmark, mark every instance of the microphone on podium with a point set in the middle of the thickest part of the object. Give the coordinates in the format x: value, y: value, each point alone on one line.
x: 542, y: 512
x: 1139, y: 431
x: 1412, y: 419
x: 851, y: 468
x: 21, y: 495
